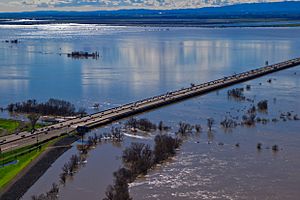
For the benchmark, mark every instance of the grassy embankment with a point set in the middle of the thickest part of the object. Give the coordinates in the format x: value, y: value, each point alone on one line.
x: 23, y: 156
x: 10, y: 126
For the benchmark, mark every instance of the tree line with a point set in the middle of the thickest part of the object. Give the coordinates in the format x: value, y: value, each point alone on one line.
x: 138, y: 159
x: 51, y: 107
x: 141, y: 124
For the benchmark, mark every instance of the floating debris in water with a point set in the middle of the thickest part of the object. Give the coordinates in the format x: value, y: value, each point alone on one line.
x: 259, y: 146
x: 83, y: 55
x: 275, y: 148
x: 12, y: 41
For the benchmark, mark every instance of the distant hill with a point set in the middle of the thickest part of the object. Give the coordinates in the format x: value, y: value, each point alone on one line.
x: 288, y: 9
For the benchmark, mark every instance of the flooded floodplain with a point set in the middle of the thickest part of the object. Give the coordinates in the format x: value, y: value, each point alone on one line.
x: 139, y: 62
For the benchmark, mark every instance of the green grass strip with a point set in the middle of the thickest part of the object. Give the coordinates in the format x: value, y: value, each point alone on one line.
x: 9, y: 125
x: 9, y: 172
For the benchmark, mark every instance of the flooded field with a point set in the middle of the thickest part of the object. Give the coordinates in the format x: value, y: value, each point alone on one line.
x: 140, y: 62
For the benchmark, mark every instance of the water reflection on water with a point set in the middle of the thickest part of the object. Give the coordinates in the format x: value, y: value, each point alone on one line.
x: 134, y: 63
x: 140, y: 62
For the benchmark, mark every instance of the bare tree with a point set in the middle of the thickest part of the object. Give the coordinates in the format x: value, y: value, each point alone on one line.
x: 210, y: 123
x: 33, y: 118
x: 119, y: 190
x: 116, y: 133
x: 52, y: 194
x: 184, y: 128
x: 138, y: 157
x: 263, y: 105
x: 160, y: 126
x: 198, y: 128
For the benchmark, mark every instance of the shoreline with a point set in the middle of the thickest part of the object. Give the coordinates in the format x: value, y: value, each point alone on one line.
x: 28, y: 176
x: 169, y: 23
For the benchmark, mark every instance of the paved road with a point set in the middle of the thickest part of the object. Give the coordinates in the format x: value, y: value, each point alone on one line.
x: 104, y: 117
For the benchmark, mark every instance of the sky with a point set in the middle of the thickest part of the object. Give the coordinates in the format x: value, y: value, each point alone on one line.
x: 85, y: 5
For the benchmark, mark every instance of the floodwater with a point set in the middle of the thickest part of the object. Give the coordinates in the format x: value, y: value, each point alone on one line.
x: 138, y: 62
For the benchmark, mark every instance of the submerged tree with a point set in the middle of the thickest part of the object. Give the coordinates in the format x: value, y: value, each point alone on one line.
x: 263, y: 105
x: 138, y: 157
x: 165, y: 146
x: 117, y: 134
x: 142, y: 124
x: 119, y: 190
x: 160, y: 126
x: 198, y: 128
x: 184, y: 128
x: 228, y: 123
x: 52, y: 194
x: 237, y: 94
x: 210, y: 123
x: 131, y: 123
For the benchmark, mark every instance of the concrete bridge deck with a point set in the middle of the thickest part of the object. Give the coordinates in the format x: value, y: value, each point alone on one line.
x: 107, y: 116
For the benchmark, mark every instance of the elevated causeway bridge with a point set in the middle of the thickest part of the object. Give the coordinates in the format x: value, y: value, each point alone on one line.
x: 107, y: 116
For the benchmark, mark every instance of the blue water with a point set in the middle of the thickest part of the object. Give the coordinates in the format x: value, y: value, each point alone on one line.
x: 134, y: 62
x: 9, y: 163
